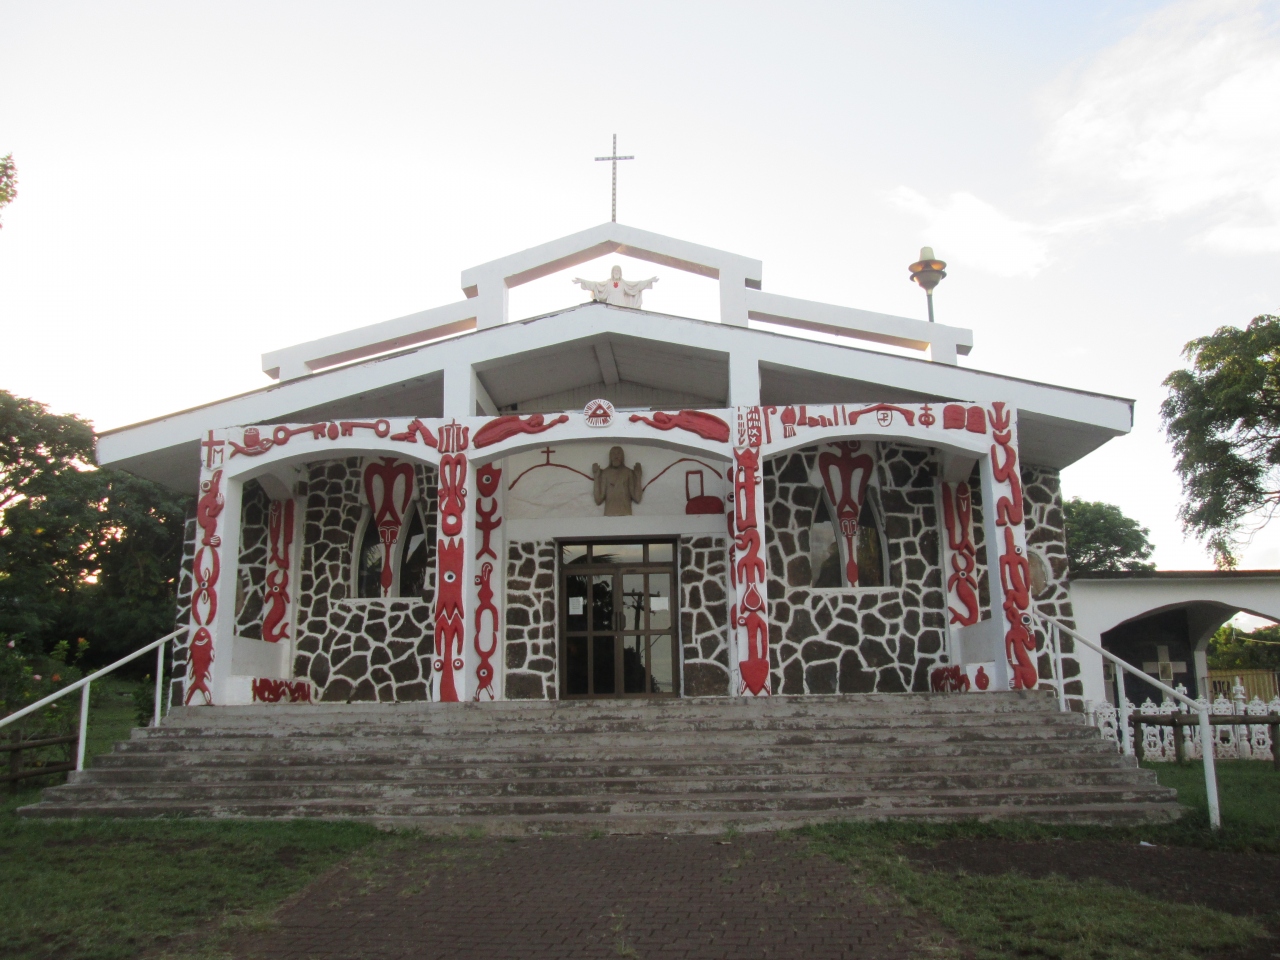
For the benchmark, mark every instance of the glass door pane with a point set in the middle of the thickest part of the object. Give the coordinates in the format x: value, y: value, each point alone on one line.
x: 659, y: 591
x: 633, y: 673
x: 661, y: 664
x: 604, y: 662
x: 575, y: 662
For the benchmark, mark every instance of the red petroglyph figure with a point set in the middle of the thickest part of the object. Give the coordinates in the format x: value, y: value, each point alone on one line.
x: 957, y: 512
x: 705, y: 425
x: 488, y: 478
x: 453, y: 493
x: 495, y: 431
x: 200, y: 665
x: 449, y: 622
x: 208, y: 509
x: 485, y: 608
x: 388, y: 486
x: 845, y: 475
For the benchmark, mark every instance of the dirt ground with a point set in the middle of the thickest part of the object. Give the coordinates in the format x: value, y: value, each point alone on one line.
x: 1243, y: 884
x: 752, y: 896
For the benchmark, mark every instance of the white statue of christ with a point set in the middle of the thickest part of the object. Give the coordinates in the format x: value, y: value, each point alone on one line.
x: 615, y: 290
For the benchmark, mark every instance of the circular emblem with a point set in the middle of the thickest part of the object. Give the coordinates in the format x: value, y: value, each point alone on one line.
x: 884, y: 417
x: 599, y: 413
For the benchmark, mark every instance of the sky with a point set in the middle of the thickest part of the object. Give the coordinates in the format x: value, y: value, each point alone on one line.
x: 200, y: 183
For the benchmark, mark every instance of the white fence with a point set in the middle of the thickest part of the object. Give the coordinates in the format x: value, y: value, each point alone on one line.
x: 1243, y: 741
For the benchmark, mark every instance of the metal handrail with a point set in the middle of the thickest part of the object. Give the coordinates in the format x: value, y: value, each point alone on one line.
x: 1206, y: 728
x: 83, y: 686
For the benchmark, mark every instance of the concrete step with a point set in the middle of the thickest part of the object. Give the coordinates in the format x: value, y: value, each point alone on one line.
x: 98, y: 790
x: 130, y: 769
x: 826, y: 805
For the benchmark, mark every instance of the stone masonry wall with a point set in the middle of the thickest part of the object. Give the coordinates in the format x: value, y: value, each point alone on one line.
x: 530, y: 642
x: 1047, y: 543
x: 354, y: 649
x: 855, y: 640
x: 704, y: 616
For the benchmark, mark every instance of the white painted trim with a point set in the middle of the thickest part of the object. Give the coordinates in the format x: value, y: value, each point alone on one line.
x: 942, y: 342
x: 567, y: 527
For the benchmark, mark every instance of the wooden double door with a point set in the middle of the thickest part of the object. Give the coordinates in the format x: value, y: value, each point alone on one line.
x: 618, y: 619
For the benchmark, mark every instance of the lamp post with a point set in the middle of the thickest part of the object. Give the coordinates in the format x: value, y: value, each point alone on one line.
x: 928, y: 272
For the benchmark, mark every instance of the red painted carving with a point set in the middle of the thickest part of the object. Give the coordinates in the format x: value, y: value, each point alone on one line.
x: 275, y: 626
x: 948, y: 680
x: 453, y: 493
x: 980, y: 679
x: 1015, y: 571
x: 701, y: 502
x: 200, y: 665
x: 495, y: 431
x: 705, y: 425
x: 962, y: 583
x: 415, y: 429
x: 927, y: 419
x: 213, y: 450
x: 449, y: 621
x: 788, y: 419
x: 958, y: 417
x: 205, y: 570
x: 266, y: 690
x: 845, y: 475
x: 453, y: 437
x: 748, y: 569
x: 209, y: 508
x: 484, y: 651
x: 388, y: 486
x: 487, y: 479
x: 884, y: 414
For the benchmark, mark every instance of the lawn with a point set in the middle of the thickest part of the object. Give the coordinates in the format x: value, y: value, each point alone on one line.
x: 1012, y: 914
x: 99, y: 890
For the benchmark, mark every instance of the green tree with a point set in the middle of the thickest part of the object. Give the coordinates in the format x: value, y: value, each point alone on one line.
x: 1223, y: 417
x: 83, y: 552
x: 8, y: 181
x: 1229, y: 649
x: 1101, y: 538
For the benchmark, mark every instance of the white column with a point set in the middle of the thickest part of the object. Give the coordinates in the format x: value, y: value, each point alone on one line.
x: 744, y: 379
x: 993, y: 538
x: 460, y: 392
x: 223, y: 623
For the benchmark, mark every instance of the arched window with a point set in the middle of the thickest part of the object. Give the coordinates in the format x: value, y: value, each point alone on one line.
x: 369, y: 561
x: 414, y: 556
x: 826, y: 549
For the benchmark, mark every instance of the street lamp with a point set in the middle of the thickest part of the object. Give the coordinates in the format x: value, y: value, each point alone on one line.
x: 928, y: 272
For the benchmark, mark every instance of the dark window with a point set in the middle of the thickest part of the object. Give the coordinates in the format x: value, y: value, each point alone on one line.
x: 369, y: 563
x: 826, y: 549
x: 414, y: 554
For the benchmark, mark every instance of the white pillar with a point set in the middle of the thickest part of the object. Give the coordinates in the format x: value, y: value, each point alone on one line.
x: 744, y: 379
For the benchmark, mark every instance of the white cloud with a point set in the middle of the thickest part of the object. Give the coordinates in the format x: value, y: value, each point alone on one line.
x: 1182, y: 117
x: 969, y: 231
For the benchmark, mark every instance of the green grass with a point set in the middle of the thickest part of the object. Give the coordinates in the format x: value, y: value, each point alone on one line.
x: 1248, y: 796
x: 1011, y: 915
x: 102, y: 889
x: 1014, y: 915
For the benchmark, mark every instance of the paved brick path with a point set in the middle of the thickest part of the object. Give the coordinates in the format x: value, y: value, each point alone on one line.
x: 756, y: 896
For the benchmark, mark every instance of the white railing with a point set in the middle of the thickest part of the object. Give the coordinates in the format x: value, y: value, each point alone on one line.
x: 83, y: 686
x: 1057, y: 627
x: 1250, y: 738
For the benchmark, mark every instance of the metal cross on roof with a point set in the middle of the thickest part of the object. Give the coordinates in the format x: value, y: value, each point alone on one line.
x: 615, y: 158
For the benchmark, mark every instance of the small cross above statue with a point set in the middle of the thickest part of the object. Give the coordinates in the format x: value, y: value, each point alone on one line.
x: 615, y: 290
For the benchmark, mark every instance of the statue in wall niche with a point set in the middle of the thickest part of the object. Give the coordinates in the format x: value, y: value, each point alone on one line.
x: 617, y: 486
x: 615, y: 290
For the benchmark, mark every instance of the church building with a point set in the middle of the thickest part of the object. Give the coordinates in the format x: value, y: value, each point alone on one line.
x: 608, y: 502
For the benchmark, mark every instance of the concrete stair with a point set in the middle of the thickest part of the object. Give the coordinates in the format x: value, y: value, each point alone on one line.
x: 623, y: 766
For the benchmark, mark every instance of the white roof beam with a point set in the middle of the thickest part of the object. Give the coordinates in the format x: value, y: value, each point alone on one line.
x: 943, y: 343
